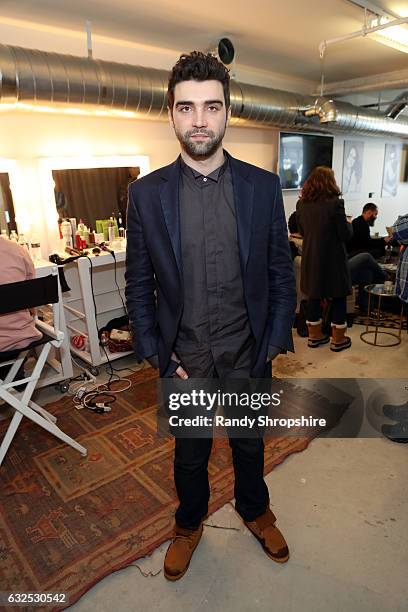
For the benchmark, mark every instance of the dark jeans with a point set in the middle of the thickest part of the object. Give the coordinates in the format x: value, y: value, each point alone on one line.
x: 192, y: 455
x: 338, y: 313
x: 364, y: 270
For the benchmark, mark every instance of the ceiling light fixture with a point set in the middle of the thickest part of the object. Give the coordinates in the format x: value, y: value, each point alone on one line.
x: 392, y: 36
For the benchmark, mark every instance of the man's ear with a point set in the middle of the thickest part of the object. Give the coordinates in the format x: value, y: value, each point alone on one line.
x: 170, y: 116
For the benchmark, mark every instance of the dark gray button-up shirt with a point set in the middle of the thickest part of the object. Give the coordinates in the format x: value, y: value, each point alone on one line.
x: 215, y: 317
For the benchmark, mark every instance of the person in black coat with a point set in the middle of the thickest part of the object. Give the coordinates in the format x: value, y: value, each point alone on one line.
x: 361, y: 242
x: 324, y: 270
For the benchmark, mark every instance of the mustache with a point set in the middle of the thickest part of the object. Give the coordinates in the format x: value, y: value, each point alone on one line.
x: 190, y: 133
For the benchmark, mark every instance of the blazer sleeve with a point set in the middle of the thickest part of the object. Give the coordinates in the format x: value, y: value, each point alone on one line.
x: 140, y: 283
x: 344, y: 229
x: 281, y: 277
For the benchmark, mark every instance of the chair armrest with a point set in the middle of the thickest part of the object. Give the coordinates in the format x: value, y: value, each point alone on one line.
x: 50, y: 331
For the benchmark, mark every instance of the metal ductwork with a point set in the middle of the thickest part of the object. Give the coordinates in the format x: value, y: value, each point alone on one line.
x: 40, y: 78
x: 397, y: 106
x: 349, y: 118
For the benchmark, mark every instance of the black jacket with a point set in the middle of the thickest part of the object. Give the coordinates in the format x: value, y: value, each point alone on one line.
x: 154, y: 274
x: 361, y: 242
x: 325, y: 230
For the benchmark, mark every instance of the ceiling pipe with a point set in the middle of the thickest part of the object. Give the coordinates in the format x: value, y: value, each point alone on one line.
x: 347, y: 117
x: 397, y: 106
x: 56, y: 81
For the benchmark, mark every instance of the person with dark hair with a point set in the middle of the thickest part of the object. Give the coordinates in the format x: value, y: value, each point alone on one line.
x: 293, y: 225
x: 210, y: 289
x: 361, y: 242
x: 324, y: 271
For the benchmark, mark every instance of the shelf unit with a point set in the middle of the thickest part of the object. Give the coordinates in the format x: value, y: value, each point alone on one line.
x: 92, y: 287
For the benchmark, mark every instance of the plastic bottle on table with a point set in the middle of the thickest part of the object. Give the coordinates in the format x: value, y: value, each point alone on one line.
x: 66, y: 230
x: 111, y: 230
x: 35, y: 249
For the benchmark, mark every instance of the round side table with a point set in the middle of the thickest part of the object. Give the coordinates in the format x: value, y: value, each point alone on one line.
x: 381, y: 293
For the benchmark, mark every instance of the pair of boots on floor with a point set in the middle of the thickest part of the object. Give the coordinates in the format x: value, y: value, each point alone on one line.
x: 339, y: 340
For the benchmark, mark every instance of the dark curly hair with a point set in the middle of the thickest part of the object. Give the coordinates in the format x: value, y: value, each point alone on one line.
x: 198, y: 66
x: 320, y: 185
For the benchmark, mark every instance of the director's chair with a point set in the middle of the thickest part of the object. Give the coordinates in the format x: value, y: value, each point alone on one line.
x: 20, y: 296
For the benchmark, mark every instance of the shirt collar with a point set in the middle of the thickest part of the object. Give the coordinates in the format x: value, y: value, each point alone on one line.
x: 215, y: 174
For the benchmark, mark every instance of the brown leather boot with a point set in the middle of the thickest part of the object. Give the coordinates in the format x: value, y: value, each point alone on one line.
x: 272, y: 540
x: 339, y: 339
x: 180, y: 551
x: 316, y: 336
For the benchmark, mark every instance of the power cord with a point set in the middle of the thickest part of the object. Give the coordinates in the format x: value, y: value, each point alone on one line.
x: 98, y: 397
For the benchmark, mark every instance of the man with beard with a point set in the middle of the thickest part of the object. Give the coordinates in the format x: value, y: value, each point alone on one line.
x: 210, y: 289
x: 361, y: 241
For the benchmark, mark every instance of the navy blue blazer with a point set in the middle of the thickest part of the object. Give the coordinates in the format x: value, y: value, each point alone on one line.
x: 154, y: 276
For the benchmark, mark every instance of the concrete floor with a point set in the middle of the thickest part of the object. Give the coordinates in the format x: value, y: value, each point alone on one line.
x: 342, y: 505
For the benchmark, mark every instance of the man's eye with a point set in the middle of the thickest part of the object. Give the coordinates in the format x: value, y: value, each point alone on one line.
x: 185, y: 109
x: 213, y: 108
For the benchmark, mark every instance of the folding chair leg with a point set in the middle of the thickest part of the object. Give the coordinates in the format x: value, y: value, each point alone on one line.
x: 47, y: 415
x: 10, y: 433
x: 31, y: 414
x: 15, y: 367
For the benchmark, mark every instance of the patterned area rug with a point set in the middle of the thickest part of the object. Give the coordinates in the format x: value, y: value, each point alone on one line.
x: 389, y: 320
x: 67, y: 521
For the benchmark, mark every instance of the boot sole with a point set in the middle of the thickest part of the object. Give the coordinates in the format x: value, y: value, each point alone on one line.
x: 173, y: 578
x: 337, y: 349
x: 317, y: 343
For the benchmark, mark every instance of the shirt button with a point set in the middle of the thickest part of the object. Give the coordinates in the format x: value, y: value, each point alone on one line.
x: 204, y: 180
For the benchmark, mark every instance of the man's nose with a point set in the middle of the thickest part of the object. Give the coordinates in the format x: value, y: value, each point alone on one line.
x: 199, y: 118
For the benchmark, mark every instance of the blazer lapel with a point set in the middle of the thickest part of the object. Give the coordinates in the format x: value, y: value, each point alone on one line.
x: 169, y: 199
x: 244, y: 203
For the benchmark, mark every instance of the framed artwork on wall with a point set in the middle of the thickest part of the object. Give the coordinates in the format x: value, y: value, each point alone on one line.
x: 353, y: 155
x: 391, y: 170
x: 404, y: 164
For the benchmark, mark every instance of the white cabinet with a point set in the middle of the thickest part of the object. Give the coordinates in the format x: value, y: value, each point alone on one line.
x: 93, y: 288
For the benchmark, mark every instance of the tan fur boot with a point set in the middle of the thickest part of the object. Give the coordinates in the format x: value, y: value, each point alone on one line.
x: 316, y: 336
x: 339, y: 339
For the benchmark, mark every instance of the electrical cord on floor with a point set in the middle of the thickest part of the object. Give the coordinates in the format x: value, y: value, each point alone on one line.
x: 140, y: 366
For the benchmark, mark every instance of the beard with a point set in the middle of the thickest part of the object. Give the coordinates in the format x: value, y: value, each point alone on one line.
x: 371, y: 221
x: 200, y: 150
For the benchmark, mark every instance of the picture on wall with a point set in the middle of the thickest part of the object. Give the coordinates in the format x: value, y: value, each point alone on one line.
x: 352, y: 168
x: 392, y: 158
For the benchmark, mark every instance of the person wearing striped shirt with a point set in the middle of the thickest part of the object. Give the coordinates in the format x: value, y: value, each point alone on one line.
x: 400, y: 233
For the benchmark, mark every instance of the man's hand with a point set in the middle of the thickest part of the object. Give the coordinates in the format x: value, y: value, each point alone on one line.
x: 180, y: 372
